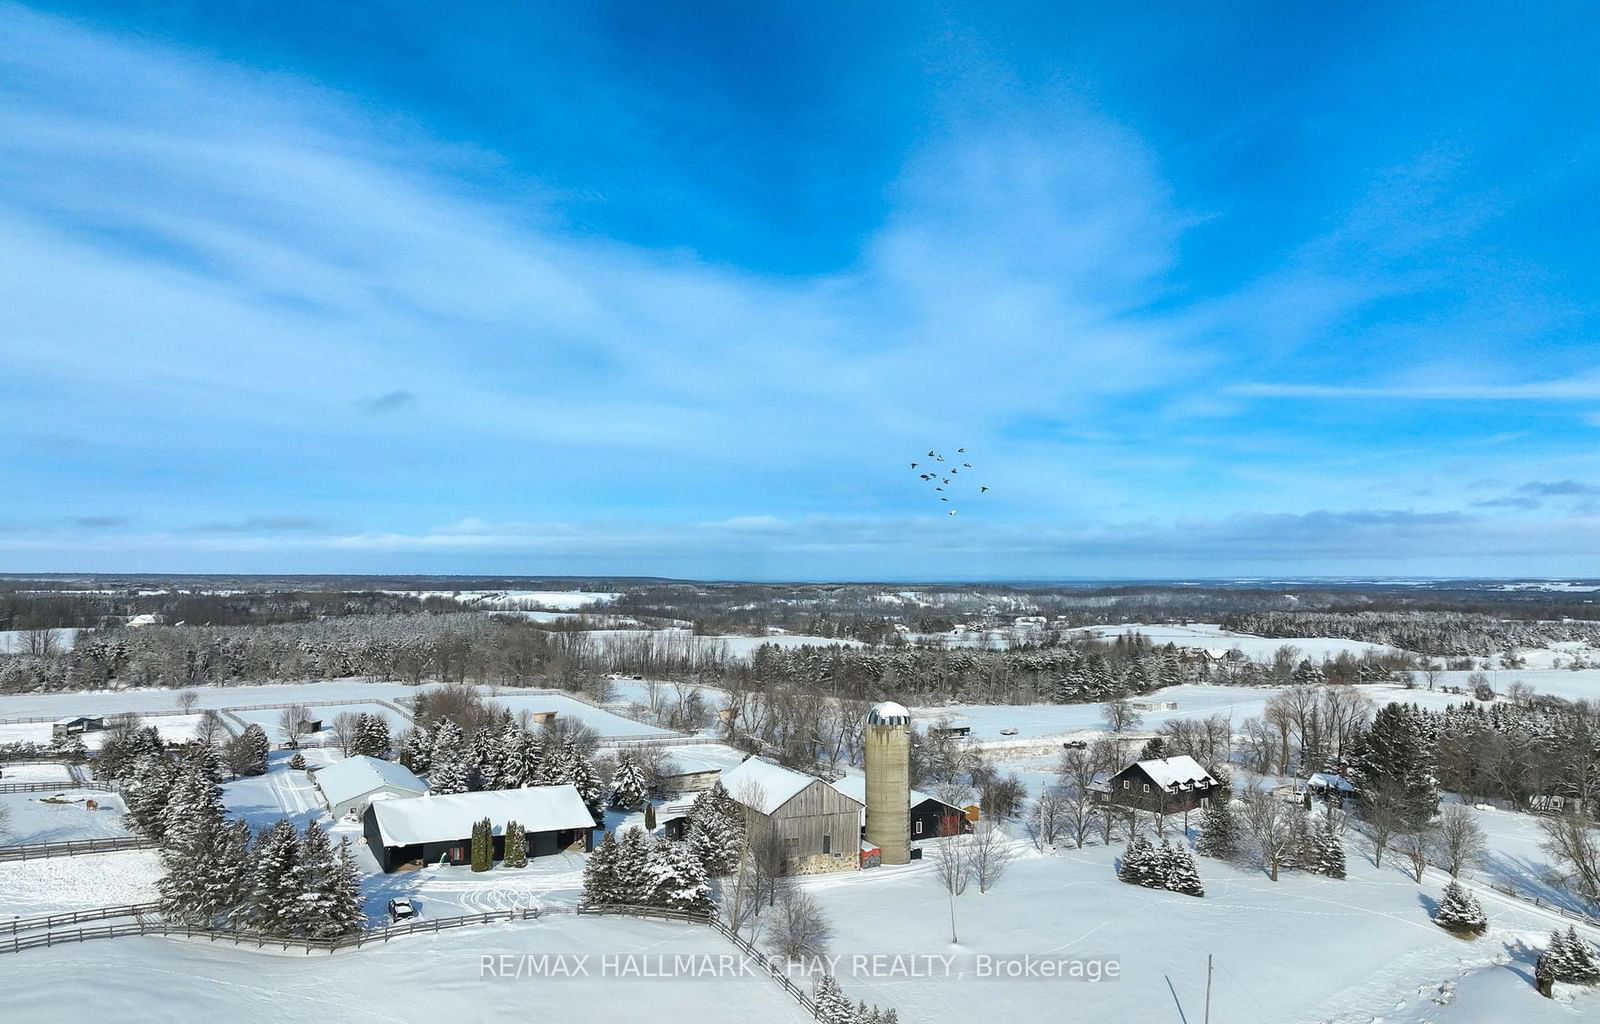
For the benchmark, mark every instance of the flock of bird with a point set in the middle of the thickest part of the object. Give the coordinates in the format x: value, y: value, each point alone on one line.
x: 940, y: 475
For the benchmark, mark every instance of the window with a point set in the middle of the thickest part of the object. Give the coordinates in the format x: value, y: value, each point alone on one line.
x: 1126, y: 784
x: 827, y: 843
x: 1147, y: 787
x: 918, y: 828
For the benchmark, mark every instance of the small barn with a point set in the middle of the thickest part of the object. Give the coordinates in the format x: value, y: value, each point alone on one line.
x: 351, y: 784
x: 1164, y: 785
x: 77, y: 725
x: 692, y: 775
x: 819, y: 827
x: 927, y: 812
x: 673, y: 819
x: 438, y: 829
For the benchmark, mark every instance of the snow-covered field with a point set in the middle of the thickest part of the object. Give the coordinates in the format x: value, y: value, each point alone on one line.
x: 16, y: 641
x: 45, y: 771
x: 1583, y: 684
x: 57, y: 884
x: 556, y: 600
x: 32, y: 820
x: 601, y: 721
x: 424, y: 977
x: 1304, y: 949
x: 174, y: 728
x: 1213, y: 637
x: 148, y: 701
x: 268, y: 719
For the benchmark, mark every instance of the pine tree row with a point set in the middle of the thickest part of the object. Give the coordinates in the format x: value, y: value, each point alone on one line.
x: 639, y: 871
x: 1170, y: 867
x: 834, y: 1008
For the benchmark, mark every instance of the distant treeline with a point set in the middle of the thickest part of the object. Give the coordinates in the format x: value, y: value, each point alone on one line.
x: 81, y: 609
x: 1436, y: 633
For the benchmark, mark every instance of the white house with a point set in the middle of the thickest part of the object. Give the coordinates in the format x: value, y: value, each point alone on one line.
x: 355, y: 782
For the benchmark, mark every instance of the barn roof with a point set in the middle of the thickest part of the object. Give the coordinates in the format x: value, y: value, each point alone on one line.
x: 355, y: 777
x: 778, y: 785
x: 1178, y: 772
x: 855, y: 787
x: 439, y: 819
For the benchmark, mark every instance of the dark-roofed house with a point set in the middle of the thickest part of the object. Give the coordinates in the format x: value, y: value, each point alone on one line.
x: 819, y: 827
x: 77, y: 725
x: 930, y: 816
x: 1166, y: 785
x: 438, y: 829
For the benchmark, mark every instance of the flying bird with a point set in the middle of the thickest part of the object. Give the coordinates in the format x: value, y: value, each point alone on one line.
x: 932, y: 454
x: 913, y: 465
x: 952, y: 511
x: 982, y: 489
x: 944, y: 499
x: 964, y: 465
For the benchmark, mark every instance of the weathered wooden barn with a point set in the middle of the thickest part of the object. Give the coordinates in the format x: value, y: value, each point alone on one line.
x: 818, y: 826
x: 438, y: 829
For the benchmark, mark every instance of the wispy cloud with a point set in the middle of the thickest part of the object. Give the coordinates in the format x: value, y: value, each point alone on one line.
x: 1580, y: 388
x: 389, y: 401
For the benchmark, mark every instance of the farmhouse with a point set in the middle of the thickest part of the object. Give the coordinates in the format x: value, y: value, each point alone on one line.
x: 1163, y: 784
x: 77, y: 725
x: 692, y: 776
x: 351, y: 784
x: 438, y: 829
x: 927, y: 812
x: 819, y: 827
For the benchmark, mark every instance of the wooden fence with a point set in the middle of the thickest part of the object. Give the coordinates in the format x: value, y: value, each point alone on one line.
x: 75, y: 848
x: 55, y: 787
x: 71, y: 917
x: 1546, y: 905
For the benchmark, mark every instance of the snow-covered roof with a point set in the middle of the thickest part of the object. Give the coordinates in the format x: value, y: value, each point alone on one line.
x: 692, y: 765
x: 1181, y: 772
x: 1328, y: 780
x: 889, y: 713
x: 777, y: 784
x: 855, y: 787
x: 355, y: 777
x: 439, y: 819
x: 1100, y: 782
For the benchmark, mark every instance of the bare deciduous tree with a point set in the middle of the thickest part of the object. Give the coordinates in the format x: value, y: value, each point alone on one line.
x: 1048, y: 819
x: 798, y: 928
x: 952, y: 864
x: 1121, y: 715
x: 1416, y: 841
x: 1383, y: 811
x: 344, y: 730
x: 990, y: 851
x: 1460, y: 842
x: 1574, y: 844
x: 187, y: 699
x: 1267, y: 820
x: 292, y: 721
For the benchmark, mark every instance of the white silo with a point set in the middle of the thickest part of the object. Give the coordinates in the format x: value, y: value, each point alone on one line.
x: 888, y: 748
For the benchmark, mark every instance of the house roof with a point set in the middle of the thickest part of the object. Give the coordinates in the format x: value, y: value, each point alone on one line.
x: 355, y: 777
x: 1179, y: 772
x: 1328, y: 780
x: 692, y: 766
x: 439, y: 819
x: 855, y: 787
x: 778, y: 785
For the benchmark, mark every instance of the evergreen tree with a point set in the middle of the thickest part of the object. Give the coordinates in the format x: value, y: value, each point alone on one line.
x: 676, y: 879
x: 450, y: 768
x: 146, y: 788
x: 832, y: 1006
x: 274, y: 898
x: 581, y: 774
x: 314, y: 879
x: 1138, y: 862
x: 194, y: 801
x: 1572, y: 958
x: 416, y: 750
x: 513, y: 769
x: 1459, y: 911
x: 1396, y: 751
x: 516, y: 853
x: 342, y: 912
x: 600, y: 874
x: 1219, y: 831
x: 247, y: 755
x: 482, y: 845
x: 1330, y: 851
x: 1302, y: 853
x: 628, y: 784
x: 206, y: 877
x: 297, y: 762
x: 1182, y: 875
x: 632, y: 867
x: 371, y: 738
x: 1544, y: 973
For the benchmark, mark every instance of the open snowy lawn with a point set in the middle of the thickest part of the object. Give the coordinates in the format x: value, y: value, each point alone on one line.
x: 282, y: 793
x: 29, y: 887
x: 1583, y: 684
x: 44, y: 771
x: 151, y: 700
x: 603, y: 722
x: 1304, y: 949
x: 268, y: 719
x: 422, y: 978
x: 32, y: 820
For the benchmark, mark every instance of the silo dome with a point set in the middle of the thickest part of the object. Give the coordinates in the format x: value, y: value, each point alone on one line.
x: 888, y: 713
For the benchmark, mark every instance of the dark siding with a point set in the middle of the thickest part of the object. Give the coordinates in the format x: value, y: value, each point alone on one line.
x: 930, y: 813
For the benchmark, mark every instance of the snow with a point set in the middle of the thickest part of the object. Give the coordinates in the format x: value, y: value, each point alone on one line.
x: 437, y: 819
x: 1210, y: 635
x: 355, y: 777
x: 31, y: 820
x: 1176, y: 772
x: 36, y: 772
x: 419, y: 978
x: 888, y: 713
x: 56, y: 884
x: 854, y: 786
x: 17, y: 641
x: 558, y: 600
x: 601, y: 721
x: 777, y: 784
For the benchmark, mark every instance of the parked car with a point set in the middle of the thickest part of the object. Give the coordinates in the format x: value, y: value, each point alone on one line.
x: 1075, y: 745
x: 1009, y: 730
x: 402, y: 909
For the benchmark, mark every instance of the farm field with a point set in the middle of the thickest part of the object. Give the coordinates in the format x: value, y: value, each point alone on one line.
x: 31, y: 819
x: 415, y: 978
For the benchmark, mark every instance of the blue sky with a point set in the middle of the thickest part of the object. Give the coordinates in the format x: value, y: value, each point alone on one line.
x: 682, y: 289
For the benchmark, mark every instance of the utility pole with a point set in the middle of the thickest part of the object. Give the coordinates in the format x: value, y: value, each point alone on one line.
x: 1208, y: 989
